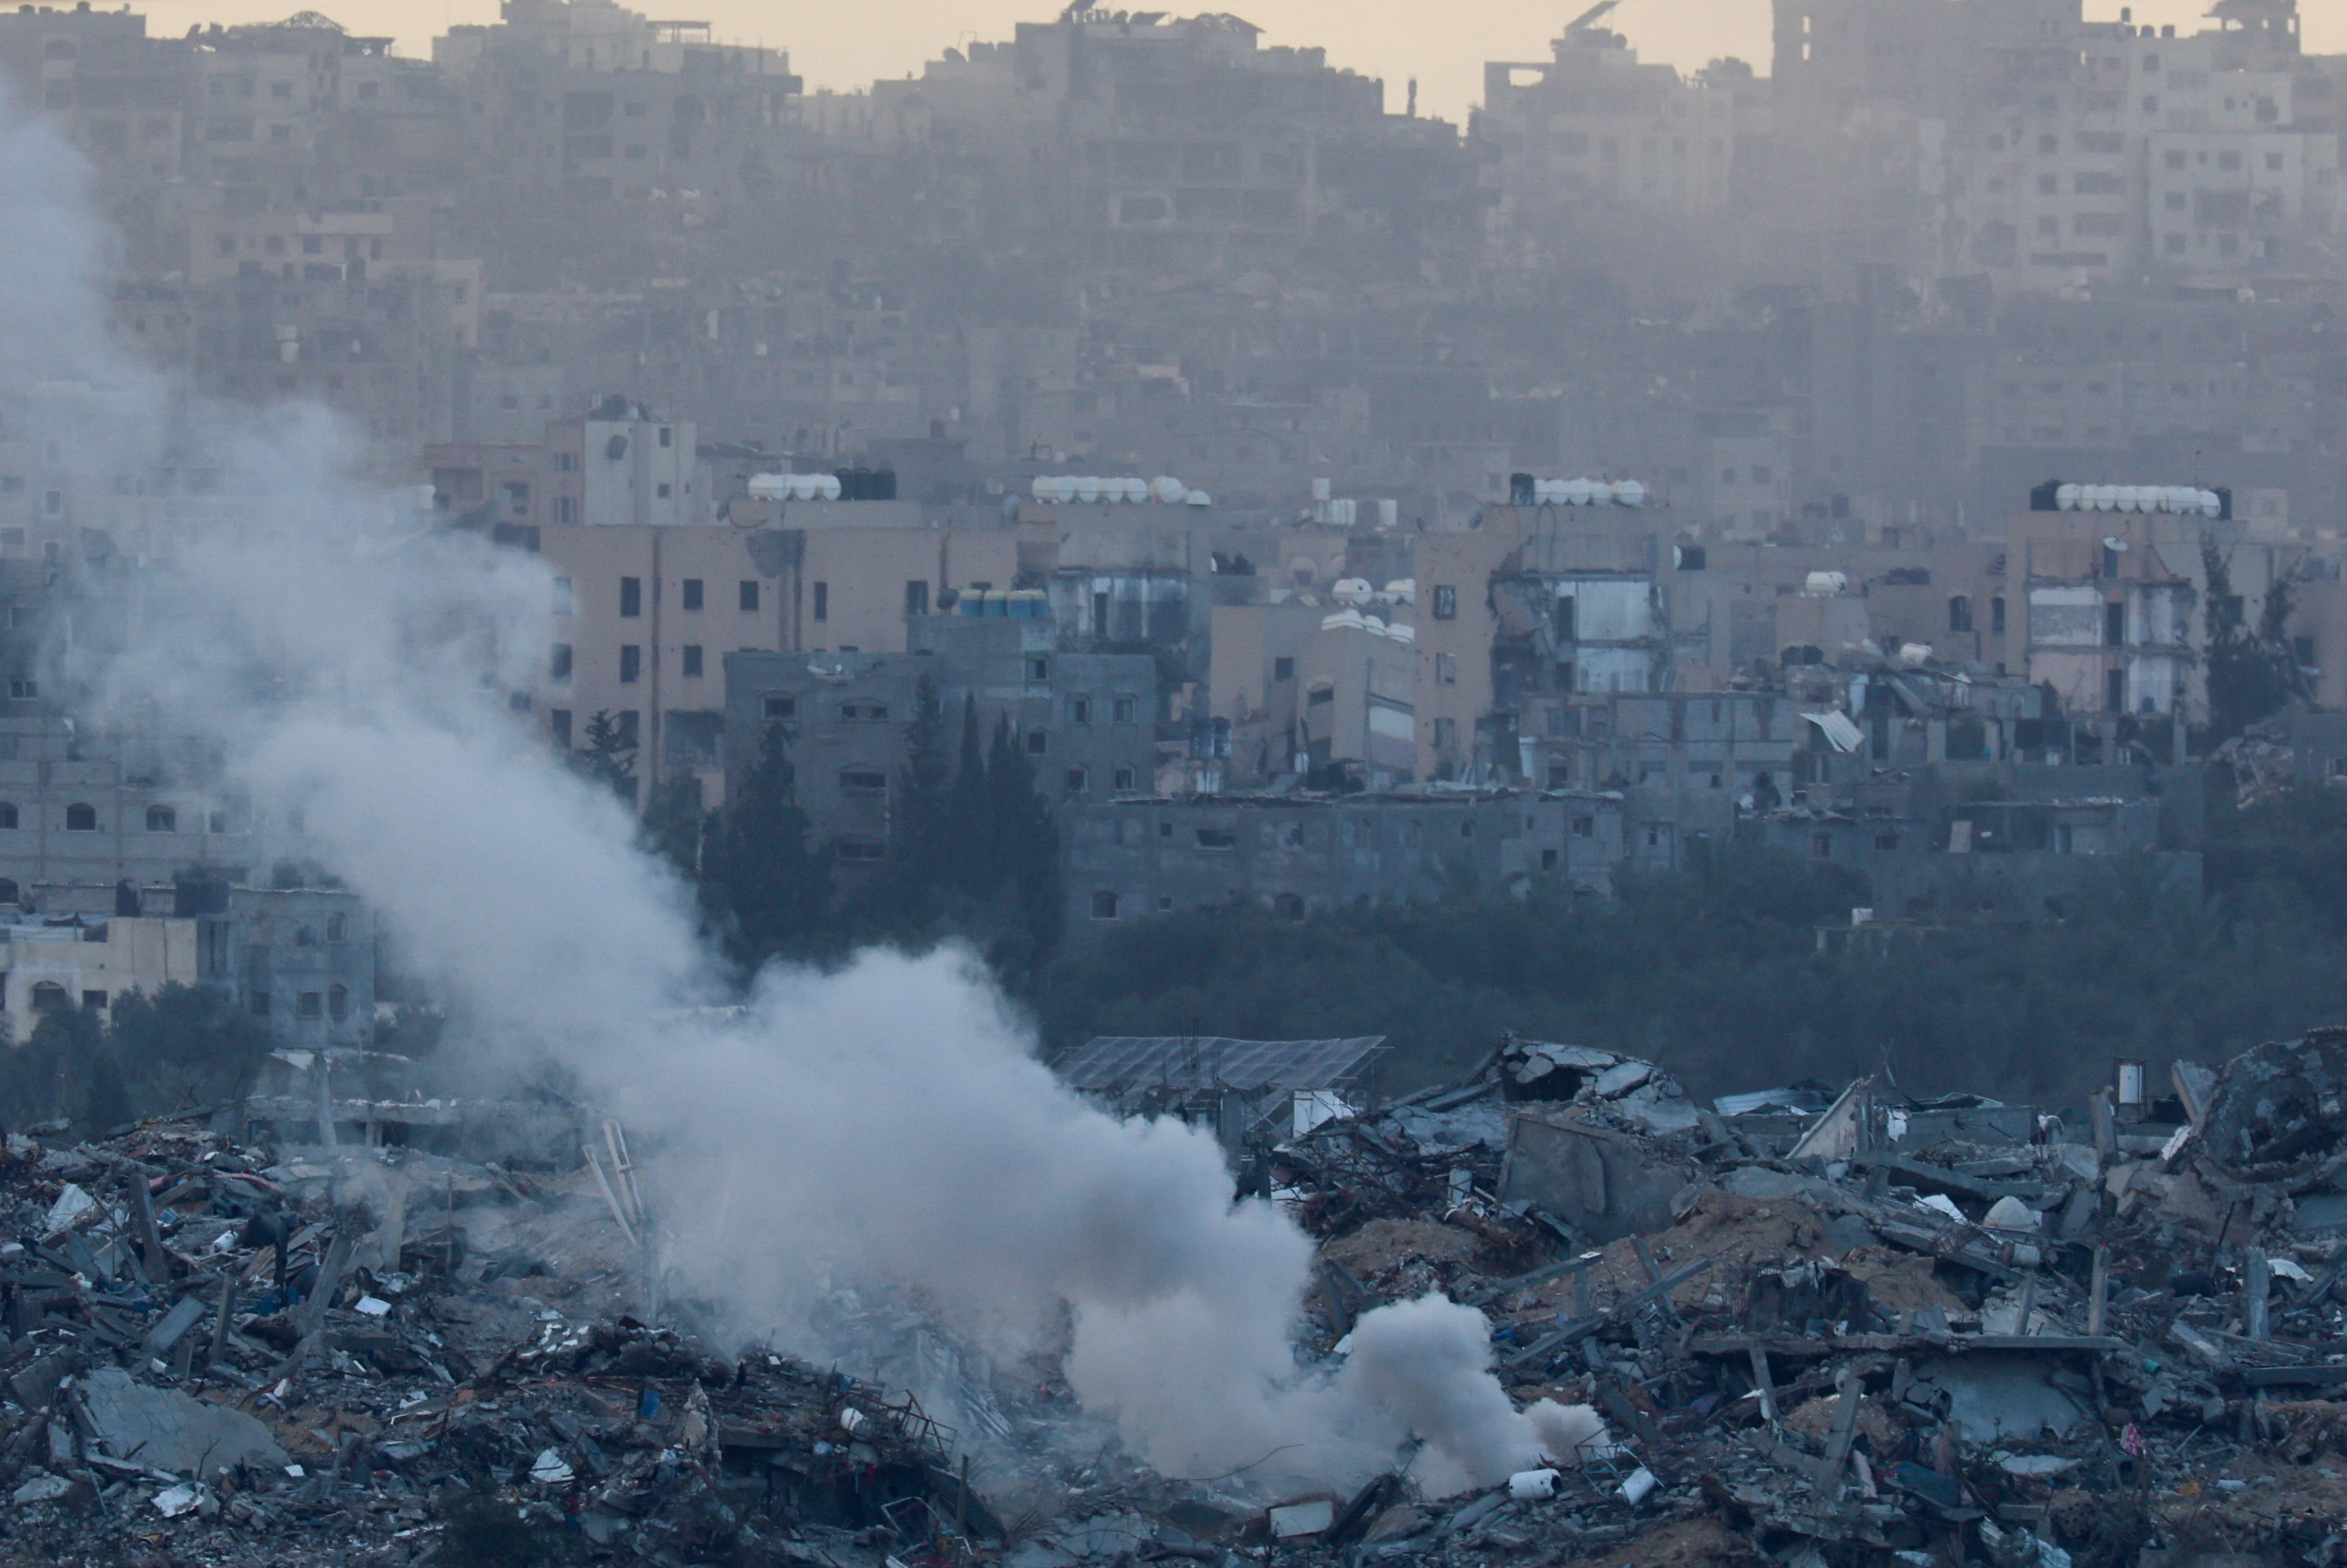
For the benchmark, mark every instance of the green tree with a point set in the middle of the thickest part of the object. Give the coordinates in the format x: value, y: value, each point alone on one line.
x: 904, y: 901
x: 2252, y: 671
x: 970, y: 865
x: 1022, y: 846
x: 608, y: 756
x: 672, y: 827
x: 185, y: 1042
x: 766, y: 890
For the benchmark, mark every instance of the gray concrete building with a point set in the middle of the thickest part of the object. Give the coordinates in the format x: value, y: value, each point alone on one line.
x: 1301, y: 855
x: 1087, y: 722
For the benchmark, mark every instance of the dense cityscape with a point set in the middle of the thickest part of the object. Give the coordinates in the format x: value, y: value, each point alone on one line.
x: 578, y: 589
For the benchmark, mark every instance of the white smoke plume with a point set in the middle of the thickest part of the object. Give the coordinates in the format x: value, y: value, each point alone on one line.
x: 885, y: 1127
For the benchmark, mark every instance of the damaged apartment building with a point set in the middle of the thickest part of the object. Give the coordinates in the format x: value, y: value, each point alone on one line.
x: 121, y: 869
x: 1086, y: 723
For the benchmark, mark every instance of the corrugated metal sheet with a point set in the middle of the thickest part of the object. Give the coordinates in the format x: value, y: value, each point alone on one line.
x: 1839, y: 732
x: 1110, y: 1062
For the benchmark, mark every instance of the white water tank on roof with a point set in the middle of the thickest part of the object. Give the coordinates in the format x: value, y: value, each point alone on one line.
x: 1197, y: 498
x: 1064, y: 488
x: 827, y: 487
x: 1825, y: 585
x: 2065, y: 498
x: 1168, y: 489
x: 1088, y: 487
x: 770, y: 486
x: 1576, y: 492
x: 1629, y: 492
x: 1042, y: 487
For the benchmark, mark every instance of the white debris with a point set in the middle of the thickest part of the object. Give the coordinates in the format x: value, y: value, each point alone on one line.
x: 174, y: 1501
x: 71, y: 1205
x: 1531, y: 1483
x: 2009, y: 1213
x: 551, y: 1468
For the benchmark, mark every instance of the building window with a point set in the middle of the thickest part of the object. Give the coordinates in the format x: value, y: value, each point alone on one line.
x: 1821, y: 846
x: 1039, y: 742
x: 1287, y: 906
x: 1079, y: 711
x: 1996, y: 616
x: 632, y: 663
x: 917, y: 597
x: 865, y: 712
x: 1217, y: 839
x: 162, y: 820
x: 81, y: 818
x: 689, y: 593
x: 1446, y: 669
x: 2114, y: 690
x: 1446, y: 601
x: 9, y: 892
x: 631, y: 596
x: 777, y: 706
x: 693, y: 661
x: 822, y: 599
x: 559, y: 665
x: 1960, y: 613
x: 1126, y: 709
x: 338, y: 1003
x: 1039, y: 668
x: 660, y: 491
x: 1585, y: 827
x: 749, y: 599
x: 1283, y: 668
x: 338, y: 929
x: 311, y: 1004
x: 93, y: 1001
x: 558, y: 724
x: 1123, y: 779
x: 2115, y: 626
x: 1079, y: 780
x: 1886, y: 841
x: 23, y: 689
x: 7, y: 814
x: 1104, y: 905
x: 863, y: 780
x: 860, y: 850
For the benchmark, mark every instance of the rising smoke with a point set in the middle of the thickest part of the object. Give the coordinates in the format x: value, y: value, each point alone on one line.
x: 885, y: 1128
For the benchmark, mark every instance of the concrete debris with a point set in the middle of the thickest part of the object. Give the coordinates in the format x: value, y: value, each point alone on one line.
x: 1853, y: 1327
x: 1992, y: 1342
x: 166, y: 1430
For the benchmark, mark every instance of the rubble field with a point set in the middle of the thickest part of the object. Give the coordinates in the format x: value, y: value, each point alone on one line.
x: 1824, y: 1328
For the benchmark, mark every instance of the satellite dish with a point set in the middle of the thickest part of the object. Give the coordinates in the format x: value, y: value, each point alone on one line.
x: 2113, y: 541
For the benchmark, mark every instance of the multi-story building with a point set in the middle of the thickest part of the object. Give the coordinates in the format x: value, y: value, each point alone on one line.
x: 1592, y: 122
x: 1087, y: 723
x: 1298, y: 855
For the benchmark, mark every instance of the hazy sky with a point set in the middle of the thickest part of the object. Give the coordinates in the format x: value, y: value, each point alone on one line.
x: 1444, y: 46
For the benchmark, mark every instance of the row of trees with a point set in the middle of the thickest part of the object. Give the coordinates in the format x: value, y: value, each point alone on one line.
x: 973, y: 851
x: 1717, y: 971
x: 183, y: 1047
